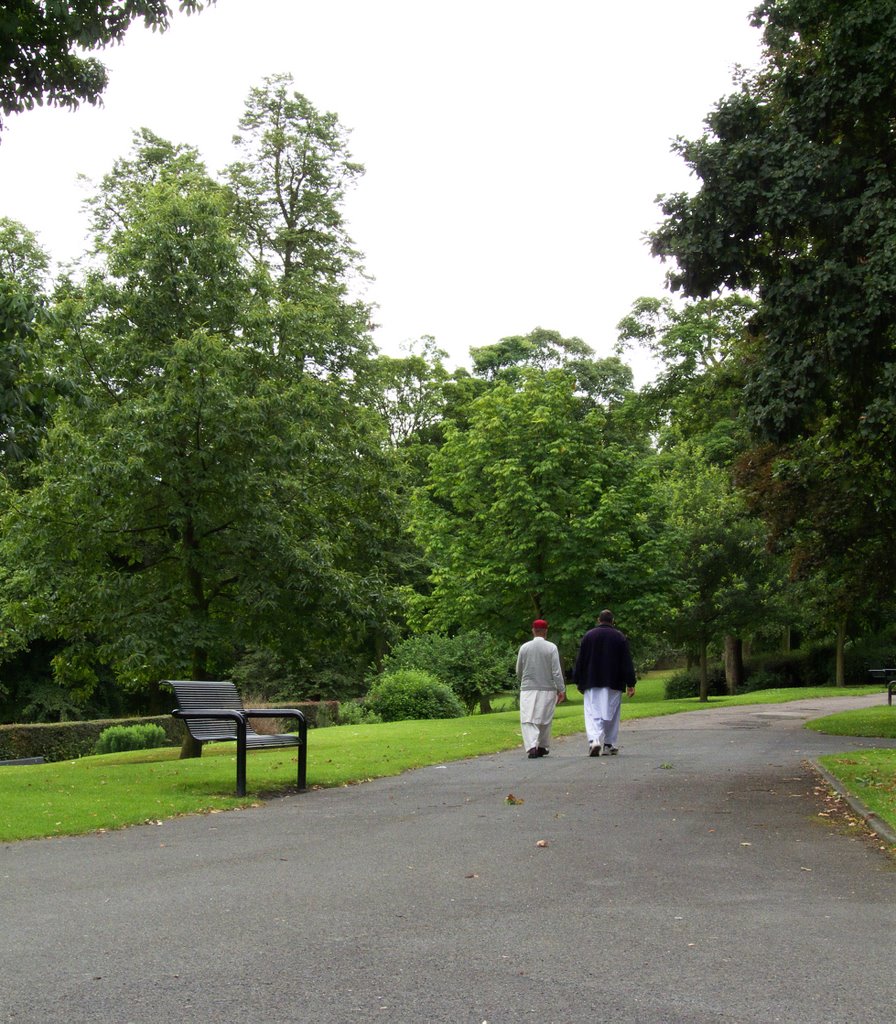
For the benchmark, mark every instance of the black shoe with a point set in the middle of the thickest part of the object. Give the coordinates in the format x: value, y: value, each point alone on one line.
x: 594, y: 750
x: 542, y: 751
x: 610, y: 749
x: 533, y: 752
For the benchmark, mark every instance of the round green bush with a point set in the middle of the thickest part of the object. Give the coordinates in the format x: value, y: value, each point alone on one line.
x: 130, y: 737
x: 412, y: 694
x: 475, y: 664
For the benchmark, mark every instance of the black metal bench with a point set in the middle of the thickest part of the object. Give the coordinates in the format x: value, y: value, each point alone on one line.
x: 887, y: 675
x: 213, y: 711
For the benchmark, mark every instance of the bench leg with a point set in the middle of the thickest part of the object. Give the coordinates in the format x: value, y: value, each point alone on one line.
x: 303, y: 756
x: 241, y: 758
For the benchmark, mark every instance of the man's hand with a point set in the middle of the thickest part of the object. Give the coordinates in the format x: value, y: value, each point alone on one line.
x: 630, y: 691
x: 561, y: 697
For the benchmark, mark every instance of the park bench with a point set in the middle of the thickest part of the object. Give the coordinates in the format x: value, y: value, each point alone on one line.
x: 213, y: 711
x: 888, y: 675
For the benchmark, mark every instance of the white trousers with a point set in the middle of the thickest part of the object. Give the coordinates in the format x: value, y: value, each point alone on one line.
x: 602, y: 710
x: 537, y: 717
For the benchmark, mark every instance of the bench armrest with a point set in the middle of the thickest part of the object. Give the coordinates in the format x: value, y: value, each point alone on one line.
x: 232, y: 715
x: 275, y: 713
x: 282, y: 713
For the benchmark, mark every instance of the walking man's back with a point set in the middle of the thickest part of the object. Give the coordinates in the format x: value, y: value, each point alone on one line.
x: 602, y: 672
x: 542, y: 687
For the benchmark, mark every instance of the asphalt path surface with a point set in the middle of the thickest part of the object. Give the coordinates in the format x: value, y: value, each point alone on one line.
x: 696, y: 877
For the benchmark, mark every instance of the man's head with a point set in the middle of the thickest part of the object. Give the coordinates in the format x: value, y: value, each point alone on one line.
x: 539, y: 628
x: 606, y: 617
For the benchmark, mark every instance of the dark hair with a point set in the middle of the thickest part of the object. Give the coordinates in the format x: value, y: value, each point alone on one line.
x: 605, y: 616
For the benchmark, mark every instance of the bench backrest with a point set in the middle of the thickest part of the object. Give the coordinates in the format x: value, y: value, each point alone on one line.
x: 197, y: 696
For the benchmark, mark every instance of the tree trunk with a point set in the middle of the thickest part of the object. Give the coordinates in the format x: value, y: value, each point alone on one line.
x: 199, y: 663
x: 704, y: 672
x: 190, y: 747
x: 734, y: 663
x: 840, y: 665
x: 379, y: 649
x: 786, y: 640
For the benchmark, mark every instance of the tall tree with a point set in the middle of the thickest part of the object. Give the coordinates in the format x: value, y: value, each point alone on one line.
x: 200, y: 493
x: 408, y: 392
x: 797, y: 204
x: 290, y: 187
x: 695, y: 408
x: 39, y: 44
x: 714, y: 567
x: 531, y: 509
x: 604, y: 380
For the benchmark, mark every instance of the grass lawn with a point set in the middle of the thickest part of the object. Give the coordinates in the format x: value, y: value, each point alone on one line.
x: 115, y: 790
x: 869, y: 775
x: 877, y: 721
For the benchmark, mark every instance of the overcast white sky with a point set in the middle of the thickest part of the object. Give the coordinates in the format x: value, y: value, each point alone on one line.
x: 514, y: 148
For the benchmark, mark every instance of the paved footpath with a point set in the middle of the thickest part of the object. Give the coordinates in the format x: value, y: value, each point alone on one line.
x: 689, y: 880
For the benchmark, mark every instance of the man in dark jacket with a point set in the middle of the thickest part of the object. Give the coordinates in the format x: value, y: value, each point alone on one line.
x: 603, y: 669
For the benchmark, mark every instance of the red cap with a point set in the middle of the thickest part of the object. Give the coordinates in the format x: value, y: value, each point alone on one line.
x: 539, y: 624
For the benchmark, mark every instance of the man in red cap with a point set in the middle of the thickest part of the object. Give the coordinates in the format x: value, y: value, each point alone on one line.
x: 541, y: 689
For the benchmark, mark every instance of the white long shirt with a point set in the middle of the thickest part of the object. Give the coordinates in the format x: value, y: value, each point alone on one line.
x: 538, y: 666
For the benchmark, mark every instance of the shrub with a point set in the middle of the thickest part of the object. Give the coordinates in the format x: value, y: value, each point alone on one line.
x: 779, y: 670
x: 475, y: 664
x: 762, y: 679
x: 686, y: 683
x: 352, y: 712
x: 863, y: 655
x: 130, y: 737
x: 412, y: 694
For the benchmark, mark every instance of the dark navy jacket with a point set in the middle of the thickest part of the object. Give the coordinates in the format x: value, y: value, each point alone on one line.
x: 604, y: 659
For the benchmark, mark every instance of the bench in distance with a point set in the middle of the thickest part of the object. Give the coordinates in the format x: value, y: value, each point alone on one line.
x: 888, y: 675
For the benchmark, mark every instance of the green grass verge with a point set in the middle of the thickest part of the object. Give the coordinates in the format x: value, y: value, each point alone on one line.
x: 877, y: 721
x: 116, y: 790
x: 870, y: 776
x: 867, y: 775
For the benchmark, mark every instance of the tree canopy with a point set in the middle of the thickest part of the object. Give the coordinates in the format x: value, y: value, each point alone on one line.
x: 198, y: 493
x: 797, y: 203
x: 39, y: 62
x: 532, y: 508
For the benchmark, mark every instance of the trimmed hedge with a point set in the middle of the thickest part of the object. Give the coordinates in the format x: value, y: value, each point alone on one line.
x: 65, y: 741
